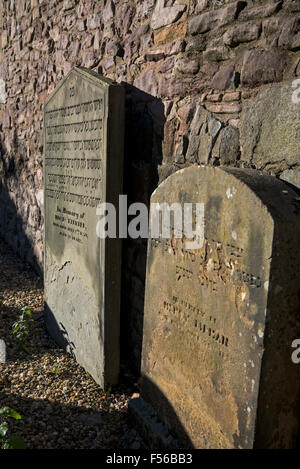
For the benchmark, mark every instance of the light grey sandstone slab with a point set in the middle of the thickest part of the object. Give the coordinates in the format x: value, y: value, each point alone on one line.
x: 220, y: 320
x: 83, y: 163
x: 270, y: 127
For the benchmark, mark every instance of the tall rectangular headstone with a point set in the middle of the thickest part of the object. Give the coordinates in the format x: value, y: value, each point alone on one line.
x: 220, y: 320
x: 83, y: 164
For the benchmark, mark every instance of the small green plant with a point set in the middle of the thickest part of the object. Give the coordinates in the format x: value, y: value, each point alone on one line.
x: 16, y: 442
x: 55, y: 369
x: 22, y: 327
x: 108, y: 392
x: 106, y: 398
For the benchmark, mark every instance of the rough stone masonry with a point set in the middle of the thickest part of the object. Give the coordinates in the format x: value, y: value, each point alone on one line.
x: 172, y: 58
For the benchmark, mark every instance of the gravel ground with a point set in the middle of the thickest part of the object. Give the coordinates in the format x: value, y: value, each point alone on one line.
x: 60, y: 404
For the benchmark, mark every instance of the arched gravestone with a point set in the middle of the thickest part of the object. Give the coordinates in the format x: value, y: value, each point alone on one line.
x: 220, y: 320
x: 83, y: 160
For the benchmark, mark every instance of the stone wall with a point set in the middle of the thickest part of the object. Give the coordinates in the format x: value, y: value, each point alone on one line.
x: 207, y: 81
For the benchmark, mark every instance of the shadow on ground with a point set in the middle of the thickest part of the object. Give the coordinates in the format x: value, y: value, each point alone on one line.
x: 48, y: 424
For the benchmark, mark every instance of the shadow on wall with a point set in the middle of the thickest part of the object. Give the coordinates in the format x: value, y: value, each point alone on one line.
x: 144, y: 133
x: 12, y: 225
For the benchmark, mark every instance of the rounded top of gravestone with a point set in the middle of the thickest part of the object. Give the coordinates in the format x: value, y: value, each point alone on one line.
x: 278, y: 197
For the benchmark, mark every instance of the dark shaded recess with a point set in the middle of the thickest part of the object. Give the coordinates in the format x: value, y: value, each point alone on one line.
x: 144, y: 124
x: 280, y: 377
x: 12, y: 227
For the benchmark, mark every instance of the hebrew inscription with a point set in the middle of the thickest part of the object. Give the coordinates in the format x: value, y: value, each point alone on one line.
x: 72, y: 161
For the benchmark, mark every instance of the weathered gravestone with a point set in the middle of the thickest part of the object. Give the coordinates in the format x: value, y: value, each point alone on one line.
x: 220, y: 320
x: 83, y: 158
